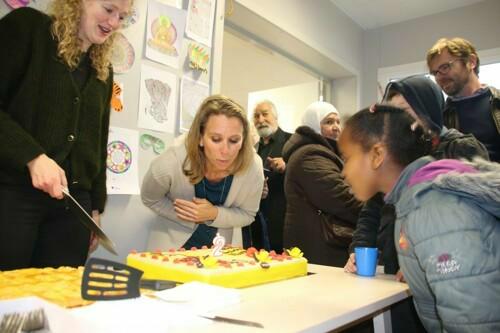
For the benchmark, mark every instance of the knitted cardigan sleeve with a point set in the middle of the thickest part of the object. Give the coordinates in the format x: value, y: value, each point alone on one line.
x: 17, y: 146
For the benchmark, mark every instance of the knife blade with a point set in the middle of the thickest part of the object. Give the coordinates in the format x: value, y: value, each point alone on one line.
x: 215, y: 318
x: 233, y: 321
x: 88, y: 222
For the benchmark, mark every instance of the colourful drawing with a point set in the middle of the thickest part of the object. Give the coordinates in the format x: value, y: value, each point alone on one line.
x: 148, y: 140
x: 159, y: 94
x: 199, y: 59
x: 123, y: 54
x: 164, y: 36
x: 165, y: 27
x: 117, y: 97
x: 119, y: 157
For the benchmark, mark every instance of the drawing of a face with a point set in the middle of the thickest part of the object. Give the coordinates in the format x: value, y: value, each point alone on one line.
x: 159, y: 93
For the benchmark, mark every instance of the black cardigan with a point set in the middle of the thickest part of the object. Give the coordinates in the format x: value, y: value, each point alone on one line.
x: 42, y: 110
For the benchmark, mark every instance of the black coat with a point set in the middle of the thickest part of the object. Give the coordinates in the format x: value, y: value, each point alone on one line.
x: 313, y: 182
x: 273, y: 207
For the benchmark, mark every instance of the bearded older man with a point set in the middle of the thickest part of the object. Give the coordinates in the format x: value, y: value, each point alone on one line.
x: 267, y: 230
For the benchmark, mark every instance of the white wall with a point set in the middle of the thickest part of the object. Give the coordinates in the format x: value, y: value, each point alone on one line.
x: 265, y: 68
x: 408, y: 42
x: 344, y: 95
x: 247, y: 67
x: 317, y: 23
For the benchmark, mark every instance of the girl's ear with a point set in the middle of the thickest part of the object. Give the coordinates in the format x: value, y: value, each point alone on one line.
x: 377, y: 155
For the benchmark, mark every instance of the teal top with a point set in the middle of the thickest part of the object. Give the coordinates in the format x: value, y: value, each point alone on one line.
x: 216, y: 193
x: 43, y: 109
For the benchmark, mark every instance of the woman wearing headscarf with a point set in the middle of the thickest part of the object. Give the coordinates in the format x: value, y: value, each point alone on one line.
x: 314, y: 188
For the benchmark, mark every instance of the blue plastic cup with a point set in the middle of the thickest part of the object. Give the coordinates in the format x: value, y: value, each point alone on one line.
x: 366, y: 260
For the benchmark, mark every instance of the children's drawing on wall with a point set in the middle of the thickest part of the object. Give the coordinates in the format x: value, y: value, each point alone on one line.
x: 148, y: 141
x: 123, y: 55
x: 157, y: 100
x: 192, y: 95
x: 132, y: 18
x: 165, y: 31
x: 119, y: 157
x: 197, y: 59
x: 159, y: 95
x: 117, y: 97
x: 200, y: 20
x: 122, y: 176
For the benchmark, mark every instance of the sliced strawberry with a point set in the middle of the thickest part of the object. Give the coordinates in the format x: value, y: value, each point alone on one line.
x: 251, y: 251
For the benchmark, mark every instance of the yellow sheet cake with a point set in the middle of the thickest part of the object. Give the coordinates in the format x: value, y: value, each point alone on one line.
x: 60, y: 286
x: 235, y: 268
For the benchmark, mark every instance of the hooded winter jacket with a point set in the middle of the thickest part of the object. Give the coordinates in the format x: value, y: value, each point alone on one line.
x: 376, y: 222
x: 448, y: 242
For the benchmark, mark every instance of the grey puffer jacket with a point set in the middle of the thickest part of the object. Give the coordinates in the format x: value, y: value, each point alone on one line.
x: 447, y: 236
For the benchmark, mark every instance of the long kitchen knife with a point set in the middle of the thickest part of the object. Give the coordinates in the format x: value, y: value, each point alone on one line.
x: 216, y: 318
x: 87, y: 221
x: 233, y: 321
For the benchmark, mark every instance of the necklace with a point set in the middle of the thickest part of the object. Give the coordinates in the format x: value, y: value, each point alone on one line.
x: 221, y: 193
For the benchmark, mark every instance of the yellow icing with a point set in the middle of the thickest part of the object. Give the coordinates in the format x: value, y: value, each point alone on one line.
x: 239, y: 271
x: 295, y: 252
x: 263, y: 256
x: 208, y: 261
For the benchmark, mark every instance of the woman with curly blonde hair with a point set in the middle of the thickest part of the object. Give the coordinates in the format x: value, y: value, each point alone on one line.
x: 208, y: 182
x: 54, y: 116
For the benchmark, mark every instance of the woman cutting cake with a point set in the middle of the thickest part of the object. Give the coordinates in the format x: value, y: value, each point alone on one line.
x: 55, y: 93
x: 209, y: 181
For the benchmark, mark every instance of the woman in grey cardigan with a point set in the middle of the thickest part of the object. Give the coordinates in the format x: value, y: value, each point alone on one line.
x: 209, y: 181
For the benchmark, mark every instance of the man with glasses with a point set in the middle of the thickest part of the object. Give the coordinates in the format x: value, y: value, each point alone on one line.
x: 471, y: 107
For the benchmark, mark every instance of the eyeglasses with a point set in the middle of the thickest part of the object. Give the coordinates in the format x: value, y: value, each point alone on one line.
x: 444, y: 68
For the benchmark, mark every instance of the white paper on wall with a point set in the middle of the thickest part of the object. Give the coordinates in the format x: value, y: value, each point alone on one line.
x: 165, y: 27
x: 157, y: 100
x: 192, y: 95
x: 200, y: 20
x: 122, y: 163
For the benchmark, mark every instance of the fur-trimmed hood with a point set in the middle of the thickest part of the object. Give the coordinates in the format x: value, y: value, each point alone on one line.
x: 482, y: 185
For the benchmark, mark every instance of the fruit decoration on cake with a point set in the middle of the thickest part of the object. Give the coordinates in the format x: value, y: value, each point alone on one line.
x: 235, y: 267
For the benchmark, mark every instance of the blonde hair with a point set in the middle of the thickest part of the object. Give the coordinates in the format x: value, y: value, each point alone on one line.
x: 66, y: 15
x: 457, y: 47
x: 194, y: 166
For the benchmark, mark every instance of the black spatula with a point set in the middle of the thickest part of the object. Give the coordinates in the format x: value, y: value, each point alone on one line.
x: 108, y: 280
